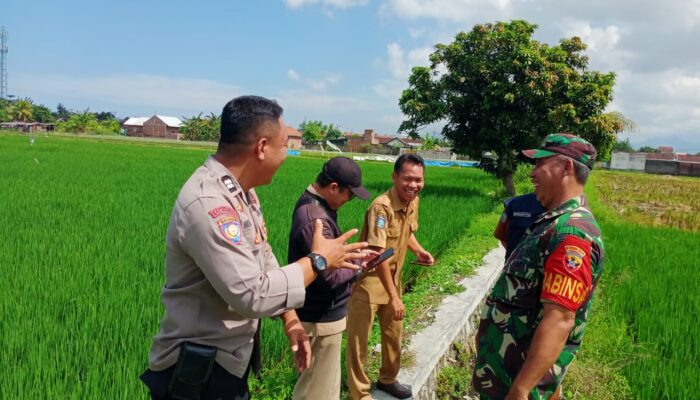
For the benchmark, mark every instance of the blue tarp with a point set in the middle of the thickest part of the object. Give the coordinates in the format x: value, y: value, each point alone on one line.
x: 433, y: 163
x: 295, y: 153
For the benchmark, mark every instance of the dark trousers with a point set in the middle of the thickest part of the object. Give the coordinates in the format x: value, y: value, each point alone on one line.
x: 222, y: 385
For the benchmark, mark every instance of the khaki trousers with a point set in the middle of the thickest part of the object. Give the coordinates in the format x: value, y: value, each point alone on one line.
x: 322, y: 379
x: 360, y: 319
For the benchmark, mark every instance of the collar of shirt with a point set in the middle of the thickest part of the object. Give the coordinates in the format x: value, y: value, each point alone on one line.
x: 221, y: 172
x: 323, y: 202
x: 567, y: 206
x: 313, y: 191
x: 397, y: 204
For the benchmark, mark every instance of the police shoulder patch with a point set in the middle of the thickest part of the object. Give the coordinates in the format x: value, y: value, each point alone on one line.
x: 230, y: 227
x: 381, y: 222
x: 219, y: 211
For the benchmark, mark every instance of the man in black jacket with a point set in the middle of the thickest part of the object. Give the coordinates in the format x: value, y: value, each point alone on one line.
x: 324, y: 310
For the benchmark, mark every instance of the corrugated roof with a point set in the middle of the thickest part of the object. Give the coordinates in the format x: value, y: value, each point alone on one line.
x: 135, y: 121
x: 170, y: 121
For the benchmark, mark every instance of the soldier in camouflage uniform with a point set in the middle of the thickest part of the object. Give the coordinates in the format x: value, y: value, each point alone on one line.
x: 534, y: 319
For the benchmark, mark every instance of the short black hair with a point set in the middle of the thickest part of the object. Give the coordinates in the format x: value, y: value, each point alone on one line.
x: 323, y: 179
x: 408, y: 158
x: 242, y: 116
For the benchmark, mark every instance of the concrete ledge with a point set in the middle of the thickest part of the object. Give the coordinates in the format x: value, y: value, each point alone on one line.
x: 456, y: 320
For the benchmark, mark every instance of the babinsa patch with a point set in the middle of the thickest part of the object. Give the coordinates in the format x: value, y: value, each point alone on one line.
x: 381, y: 222
x: 574, y: 257
x: 230, y: 227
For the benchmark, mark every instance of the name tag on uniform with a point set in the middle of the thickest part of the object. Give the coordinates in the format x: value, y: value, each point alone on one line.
x: 522, y: 214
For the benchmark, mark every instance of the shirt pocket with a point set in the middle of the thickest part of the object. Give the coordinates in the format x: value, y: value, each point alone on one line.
x: 413, y: 226
x: 393, y: 231
x: 520, y: 286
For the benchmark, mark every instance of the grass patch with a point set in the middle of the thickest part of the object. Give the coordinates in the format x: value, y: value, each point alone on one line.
x: 652, y: 200
x: 641, y: 340
x: 83, y: 225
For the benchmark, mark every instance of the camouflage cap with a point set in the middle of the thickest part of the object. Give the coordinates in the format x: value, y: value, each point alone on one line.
x: 567, y: 145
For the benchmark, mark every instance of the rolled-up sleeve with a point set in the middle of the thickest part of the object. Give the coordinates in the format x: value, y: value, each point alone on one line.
x: 229, y: 263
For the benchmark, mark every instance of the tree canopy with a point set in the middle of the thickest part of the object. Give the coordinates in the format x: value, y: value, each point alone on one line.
x: 316, y: 131
x: 197, y: 128
x: 648, y: 149
x: 498, y: 91
x: 86, y: 122
x: 623, y: 146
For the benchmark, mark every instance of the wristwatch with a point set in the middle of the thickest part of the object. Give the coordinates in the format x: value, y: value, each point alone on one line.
x: 318, y: 262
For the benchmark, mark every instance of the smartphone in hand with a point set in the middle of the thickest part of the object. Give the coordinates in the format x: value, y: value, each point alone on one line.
x: 380, y: 259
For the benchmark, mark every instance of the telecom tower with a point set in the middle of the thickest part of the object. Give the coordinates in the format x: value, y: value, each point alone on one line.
x: 3, y: 63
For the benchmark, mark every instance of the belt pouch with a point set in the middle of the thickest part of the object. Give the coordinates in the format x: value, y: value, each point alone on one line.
x: 192, y: 371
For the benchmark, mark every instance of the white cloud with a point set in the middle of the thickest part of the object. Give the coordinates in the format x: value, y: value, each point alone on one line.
x: 663, y: 104
x: 333, y: 3
x: 320, y: 102
x: 390, y: 88
x: 293, y: 75
x: 598, y: 39
x: 417, y: 33
x: 152, y: 92
x: 325, y: 83
x: 449, y: 10
x: 400, y: 63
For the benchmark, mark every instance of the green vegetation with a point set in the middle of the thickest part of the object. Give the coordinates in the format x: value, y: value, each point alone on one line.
x: 202, y: 129
x: 500, y: 91
x: 644, y: 329
x: 83, y: 225
x: 316, y: 131
x: 659, y: 201
x: 87, y: 122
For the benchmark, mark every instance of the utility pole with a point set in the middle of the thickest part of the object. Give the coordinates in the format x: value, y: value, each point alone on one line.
x: 3, y: 63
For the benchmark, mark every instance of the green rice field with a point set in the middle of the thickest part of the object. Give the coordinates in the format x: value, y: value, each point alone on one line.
x: 644, y: 333
x: 82, y: 229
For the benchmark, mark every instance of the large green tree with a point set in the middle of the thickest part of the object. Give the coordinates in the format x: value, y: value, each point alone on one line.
x: 498, y: 91
x: 62, y: 112
x: 41, y: 113
x: 313, y: 131
x: 332, y: 132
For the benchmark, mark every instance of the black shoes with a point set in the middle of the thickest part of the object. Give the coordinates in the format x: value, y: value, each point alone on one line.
x: 396, y: 389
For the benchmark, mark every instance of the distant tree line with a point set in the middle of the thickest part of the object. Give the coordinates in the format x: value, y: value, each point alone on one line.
x: 24, y: 110
x: 626, y: 147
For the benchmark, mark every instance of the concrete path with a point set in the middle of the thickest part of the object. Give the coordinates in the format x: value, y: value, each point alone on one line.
x: 455, y: 320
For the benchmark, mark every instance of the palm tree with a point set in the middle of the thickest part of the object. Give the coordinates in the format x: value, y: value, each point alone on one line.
x: 22, y: 110
x: 622, y: 123
x: 430, y: 143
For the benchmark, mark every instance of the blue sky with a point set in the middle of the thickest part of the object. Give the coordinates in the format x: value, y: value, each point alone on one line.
x: 341, y: 61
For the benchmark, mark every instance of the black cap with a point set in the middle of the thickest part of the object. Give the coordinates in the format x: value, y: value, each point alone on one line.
x: 345, y: 172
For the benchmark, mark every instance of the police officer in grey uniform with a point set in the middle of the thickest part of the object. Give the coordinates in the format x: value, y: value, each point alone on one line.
x: 221, y: 274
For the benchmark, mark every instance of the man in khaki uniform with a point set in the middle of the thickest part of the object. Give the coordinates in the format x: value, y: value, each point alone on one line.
x: 390, y: 221
x: 221, y: 274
